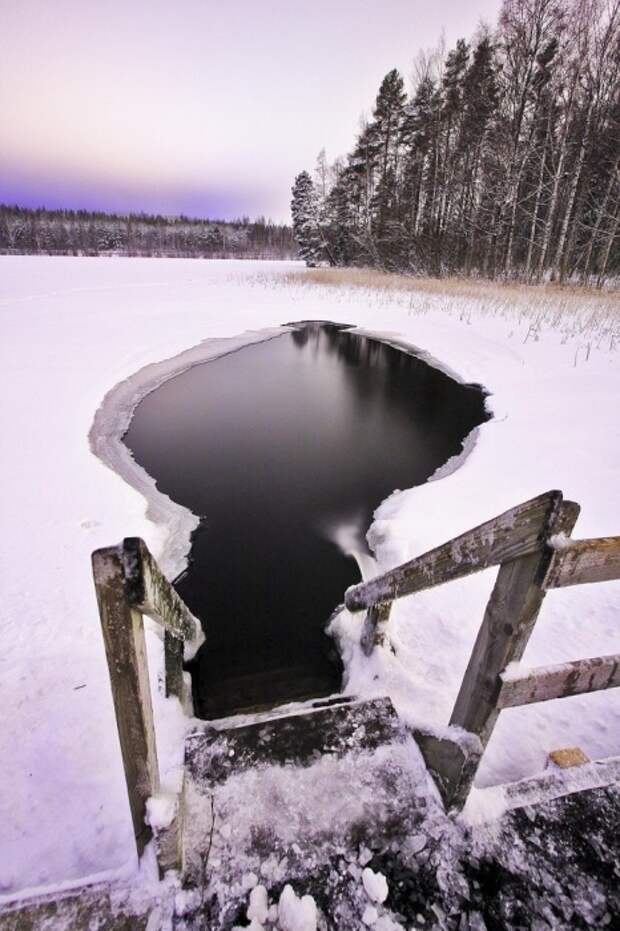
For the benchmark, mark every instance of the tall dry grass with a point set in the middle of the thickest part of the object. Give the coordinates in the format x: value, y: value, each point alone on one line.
x: 477, y: 288
x: 589, y: 316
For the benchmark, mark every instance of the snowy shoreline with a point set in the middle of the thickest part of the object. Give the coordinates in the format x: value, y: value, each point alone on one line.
x: 74, y: 327
x: 114, y: 415
x: 113, y: 418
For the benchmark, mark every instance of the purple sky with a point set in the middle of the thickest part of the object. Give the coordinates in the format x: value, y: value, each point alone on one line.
x: 203, y: 107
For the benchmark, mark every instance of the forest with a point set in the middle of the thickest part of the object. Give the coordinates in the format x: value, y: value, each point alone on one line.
x: 502, y: 162
x: 71, y: 232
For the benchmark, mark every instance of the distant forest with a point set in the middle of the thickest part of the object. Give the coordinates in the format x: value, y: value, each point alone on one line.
x: 80, y: 232
x: 504, y: 161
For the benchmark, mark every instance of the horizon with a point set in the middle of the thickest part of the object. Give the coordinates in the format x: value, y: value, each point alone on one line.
x: 138, y: 214
x: 209, y: 114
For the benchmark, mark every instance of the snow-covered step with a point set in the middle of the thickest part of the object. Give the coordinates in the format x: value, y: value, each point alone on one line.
x: 279, y: 798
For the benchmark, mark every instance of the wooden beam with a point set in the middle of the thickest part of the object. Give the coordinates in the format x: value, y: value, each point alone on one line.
x: 583, y: 561
x: 373, y: 630
x: 173, y: 662
x: 514, y: 534
x: 150, y: 592
x: 452, y: 763
x: 506, y: 628
x: 123, y: 636
x: 555, y: 784
x: 560, y: 681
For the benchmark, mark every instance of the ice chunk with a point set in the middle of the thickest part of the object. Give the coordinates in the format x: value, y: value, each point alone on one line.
x: 370, y: 915
x: 385, y: 923
x: 296, y: 914
x: 375, y: 885
x: 259, y: 904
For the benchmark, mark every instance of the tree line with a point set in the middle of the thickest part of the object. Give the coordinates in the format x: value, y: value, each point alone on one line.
x: 504, y: 161
x: 81, y: 232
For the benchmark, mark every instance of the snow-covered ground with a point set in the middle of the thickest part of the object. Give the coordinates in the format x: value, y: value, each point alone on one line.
x: 73, y: 328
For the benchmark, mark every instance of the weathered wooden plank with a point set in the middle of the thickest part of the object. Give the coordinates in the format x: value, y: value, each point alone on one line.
x: 555, y: 784
x: 173, y: 661
x: 583, y: 561
x: 514, y: 534
x: 150, y: 591
x: 123, y: 636
x: 374, y: 624
x: 506, y: 628
x: 452, y: 763
x: 560, y: 681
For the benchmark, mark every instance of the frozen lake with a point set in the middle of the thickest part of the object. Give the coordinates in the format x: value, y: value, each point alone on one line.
x: 284, y: 449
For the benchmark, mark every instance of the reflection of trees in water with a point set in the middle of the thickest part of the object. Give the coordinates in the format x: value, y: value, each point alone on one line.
x: 345, y: 422
x: 379, y: 372
x: 301, y: 336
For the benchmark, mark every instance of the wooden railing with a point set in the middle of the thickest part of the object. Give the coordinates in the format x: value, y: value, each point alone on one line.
x: 129, y: 584
x: 532, y: 546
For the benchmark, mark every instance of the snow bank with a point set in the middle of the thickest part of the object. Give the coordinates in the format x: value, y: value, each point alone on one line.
x: 72, y: 329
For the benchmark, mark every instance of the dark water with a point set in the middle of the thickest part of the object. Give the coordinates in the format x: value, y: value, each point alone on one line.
x: 276, y: 446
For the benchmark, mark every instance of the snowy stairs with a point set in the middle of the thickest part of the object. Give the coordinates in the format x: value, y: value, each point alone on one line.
x: 290, y: 796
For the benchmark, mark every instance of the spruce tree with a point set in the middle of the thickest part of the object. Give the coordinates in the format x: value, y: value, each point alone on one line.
x: 305, y: 214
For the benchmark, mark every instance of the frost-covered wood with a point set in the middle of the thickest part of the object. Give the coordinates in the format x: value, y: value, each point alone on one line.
x: 150, y: 592
x: 506, y: 628
x: 516, y: 533
x: 584, y: 561
x: 123, y: 635
x: 129, y: 584
x: 560, y: 681
x: 376, y: 618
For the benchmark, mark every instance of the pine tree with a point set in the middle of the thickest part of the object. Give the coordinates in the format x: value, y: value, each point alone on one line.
x: 305, y: 214
x: 386, y: 126
x: 505, y: 161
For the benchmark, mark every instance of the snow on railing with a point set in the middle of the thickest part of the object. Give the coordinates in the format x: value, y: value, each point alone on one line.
x: 129, y: 584
x: 531, y: 544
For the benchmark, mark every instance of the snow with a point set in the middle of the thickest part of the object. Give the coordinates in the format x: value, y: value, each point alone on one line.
x: 72, y: 330
x: 375, y: 885
x: 294, y: 913
x: 259, y: 905
x: 160, y: 811
x: 370, y: 915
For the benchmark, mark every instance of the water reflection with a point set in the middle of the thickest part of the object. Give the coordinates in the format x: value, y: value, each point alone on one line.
x: 272, y: 445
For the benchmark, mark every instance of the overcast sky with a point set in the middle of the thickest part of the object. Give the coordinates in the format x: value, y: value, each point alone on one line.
x: 203, y: 107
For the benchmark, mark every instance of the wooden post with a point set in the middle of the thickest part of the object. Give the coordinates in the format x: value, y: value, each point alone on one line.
x: 374, y: 622
x: 150, y: 592
x: 173, y: 660
x: 123, y: 635
x: 508, y: 622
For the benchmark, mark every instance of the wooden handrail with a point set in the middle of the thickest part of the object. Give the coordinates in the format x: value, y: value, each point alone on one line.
x: 515, y: 533
x: 577, y: 562
x: 560, y: 681
x: 128, y: 584
x: 532, y: 546
x: 150, y: 592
